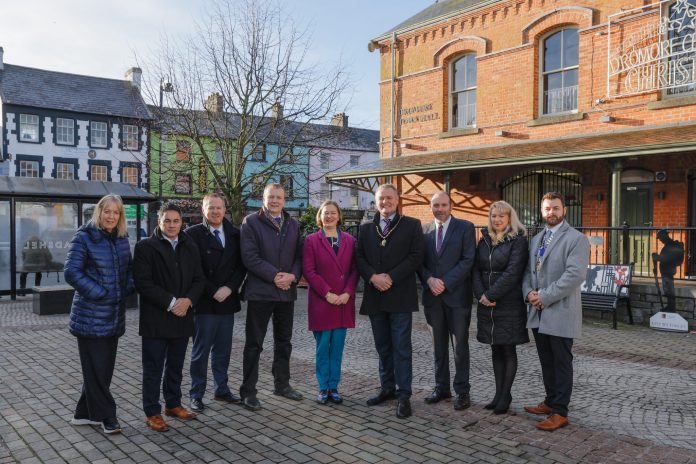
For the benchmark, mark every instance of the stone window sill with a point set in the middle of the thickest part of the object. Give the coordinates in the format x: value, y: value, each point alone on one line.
x: 672, y: 102
x: 545, y: 120
x: 458, y: 132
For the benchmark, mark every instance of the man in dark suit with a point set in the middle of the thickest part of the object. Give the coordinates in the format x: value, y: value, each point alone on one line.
x: 389, y: 253
x: 218, y: 244
x: 450, y: 247
x: 167, y: 273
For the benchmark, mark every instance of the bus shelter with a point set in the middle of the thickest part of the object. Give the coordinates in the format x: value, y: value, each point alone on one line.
x: 38, y: 218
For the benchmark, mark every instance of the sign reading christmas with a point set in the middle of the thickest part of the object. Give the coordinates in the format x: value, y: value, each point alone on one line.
x: 652, y: 48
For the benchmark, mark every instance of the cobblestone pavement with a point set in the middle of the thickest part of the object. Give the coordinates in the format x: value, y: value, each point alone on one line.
x: 633, y: 402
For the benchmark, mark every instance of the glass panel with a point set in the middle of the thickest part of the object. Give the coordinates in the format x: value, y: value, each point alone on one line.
x: 552, y: 52
x: 44, y: 231
x: 132, y: 223
x: 471, y: 71
x: 570, y: 47
x: 455, y: 110
x: 459, y: 74
x: 5, y: 257
x: 570, y: 78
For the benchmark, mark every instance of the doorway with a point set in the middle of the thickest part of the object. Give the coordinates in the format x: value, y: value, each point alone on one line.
x: 637, y: 212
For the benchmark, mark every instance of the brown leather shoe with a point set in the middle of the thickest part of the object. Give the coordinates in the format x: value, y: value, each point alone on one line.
x: 553, y: 422
x: 541, y: 409
x: 180, y: 413
x: 156, y: 423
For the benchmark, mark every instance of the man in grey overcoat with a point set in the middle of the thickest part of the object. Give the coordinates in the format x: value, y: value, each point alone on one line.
x: 558, y: 259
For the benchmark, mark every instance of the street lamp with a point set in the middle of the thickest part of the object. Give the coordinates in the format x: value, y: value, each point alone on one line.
x: 164, y: 87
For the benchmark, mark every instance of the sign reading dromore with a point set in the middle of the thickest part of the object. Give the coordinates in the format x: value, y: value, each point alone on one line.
x: 652, y: 48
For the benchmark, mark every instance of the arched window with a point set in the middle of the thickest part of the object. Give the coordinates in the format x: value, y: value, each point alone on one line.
x: 463, y: 92
x: 524, y: 191
x: 559, y: 71
x: 680, y: 27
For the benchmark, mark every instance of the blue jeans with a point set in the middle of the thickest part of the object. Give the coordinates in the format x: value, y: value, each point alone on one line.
x: 213, y: 337
x: 392, y: 334
x: 329, y: 355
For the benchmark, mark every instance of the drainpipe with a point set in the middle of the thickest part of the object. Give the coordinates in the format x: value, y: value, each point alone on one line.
x: 393, y: 90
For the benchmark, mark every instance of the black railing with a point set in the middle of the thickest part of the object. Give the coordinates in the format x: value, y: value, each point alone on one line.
x: 624, y: 245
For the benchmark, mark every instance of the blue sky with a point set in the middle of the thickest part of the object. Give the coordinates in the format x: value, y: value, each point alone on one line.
x: 101, y: 38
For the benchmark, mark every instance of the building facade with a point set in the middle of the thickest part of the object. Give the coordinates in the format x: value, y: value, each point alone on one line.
x: 508, y: 99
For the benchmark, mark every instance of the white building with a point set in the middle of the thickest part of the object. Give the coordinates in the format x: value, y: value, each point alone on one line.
x: 351, y: 147
x: 72, y: 127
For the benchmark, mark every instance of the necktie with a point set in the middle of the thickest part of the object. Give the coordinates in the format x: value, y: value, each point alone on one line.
x: 278, y: 221
x: 547, y: 239
x: 174, y: 243
x: 387, y: 226
x: 217, y: 236
x: 438, y: 244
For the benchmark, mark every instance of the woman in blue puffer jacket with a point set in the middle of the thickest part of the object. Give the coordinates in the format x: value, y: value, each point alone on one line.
x: 99, y: 267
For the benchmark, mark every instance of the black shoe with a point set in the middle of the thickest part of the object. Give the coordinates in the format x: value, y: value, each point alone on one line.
x: 229, y: 397
x: 335, y: 397
x: 403, y: 409
x: 462, y: 401
x: 289, y: 393
x: 197, y: 405
x: 503, y: 405
x: 111, y: 426
x: 381, y: 396
x: 437, y: 395
x: 251, y: 403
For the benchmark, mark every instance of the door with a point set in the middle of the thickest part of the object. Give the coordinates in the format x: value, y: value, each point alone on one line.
x: 637, y: 211
x: 691, y: 235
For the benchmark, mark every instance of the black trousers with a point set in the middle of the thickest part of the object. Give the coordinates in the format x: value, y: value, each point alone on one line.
x: 258, y: 315
x: 98, y: 358
x: 23, y: 279
x: 392, y: 334
x: 162, y: 354
x: 444, y: 321
x: 556, y: 358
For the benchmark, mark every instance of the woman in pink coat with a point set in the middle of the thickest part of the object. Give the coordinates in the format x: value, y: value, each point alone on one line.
x: 329, y: 268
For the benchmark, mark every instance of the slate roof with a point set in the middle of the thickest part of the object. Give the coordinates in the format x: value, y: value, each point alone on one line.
x: 310, y: 135
x: 436, y: 12
x: 41, y: 88
x: 59, y: 188
x: 672, y: 138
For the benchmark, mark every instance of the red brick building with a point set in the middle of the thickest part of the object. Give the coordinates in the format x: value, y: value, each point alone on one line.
x: 508, y: 99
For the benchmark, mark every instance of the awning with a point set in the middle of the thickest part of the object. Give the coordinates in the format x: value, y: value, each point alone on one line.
x: 58, y: 188
x: 671, y: 138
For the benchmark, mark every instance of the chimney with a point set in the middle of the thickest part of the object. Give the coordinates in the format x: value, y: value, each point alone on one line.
x: 340, y: 120
x: 277, y: 111
x: 214, y: 103
x: 133, y: 75
x: 2, y: 63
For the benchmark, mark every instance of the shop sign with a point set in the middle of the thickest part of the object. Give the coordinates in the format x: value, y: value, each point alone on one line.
x: 420, y: 113
x: 658, y: 55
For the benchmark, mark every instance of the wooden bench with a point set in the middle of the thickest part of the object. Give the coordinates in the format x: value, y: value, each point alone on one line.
x: 57, y: 299
x: 605, y: 286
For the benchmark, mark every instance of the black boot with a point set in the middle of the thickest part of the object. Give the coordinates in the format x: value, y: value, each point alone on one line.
x: 498, y: 371
x: 509, y: 372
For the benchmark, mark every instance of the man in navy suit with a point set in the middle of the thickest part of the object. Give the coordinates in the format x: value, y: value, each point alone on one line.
x: 450, y: 247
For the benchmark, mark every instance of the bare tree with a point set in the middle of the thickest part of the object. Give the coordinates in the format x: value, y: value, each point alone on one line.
x: 243, y: 89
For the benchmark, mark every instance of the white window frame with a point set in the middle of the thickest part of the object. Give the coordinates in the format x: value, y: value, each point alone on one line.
x: 103, y: 133
x: 29, y: 125
x: 65, y: 131
x: 129, y: 175
x: 29, y: 168
x: 324, y: 191
x: 471, y: 89
x: 97, y: 171
x: 325, y: 161
x: 684, y: 90
x: 542, y: 74
x: 354, y: 197
x: 65, y: 171
x: 130, y: 137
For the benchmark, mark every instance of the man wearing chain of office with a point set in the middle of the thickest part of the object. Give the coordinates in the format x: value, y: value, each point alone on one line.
x: 389, y: 252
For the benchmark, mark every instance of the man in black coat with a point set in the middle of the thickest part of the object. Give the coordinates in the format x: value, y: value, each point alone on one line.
x: 450, y: 247
x: 168, y: 276
x: 272, y: 253
x: 218, y: 243
x: 389, y: 253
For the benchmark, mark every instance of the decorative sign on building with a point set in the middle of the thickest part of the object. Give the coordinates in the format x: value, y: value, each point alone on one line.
x: 652, y: 48
x: 419, y: 113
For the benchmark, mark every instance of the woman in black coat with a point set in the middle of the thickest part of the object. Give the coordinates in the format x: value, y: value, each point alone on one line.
x: 501, y: 259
